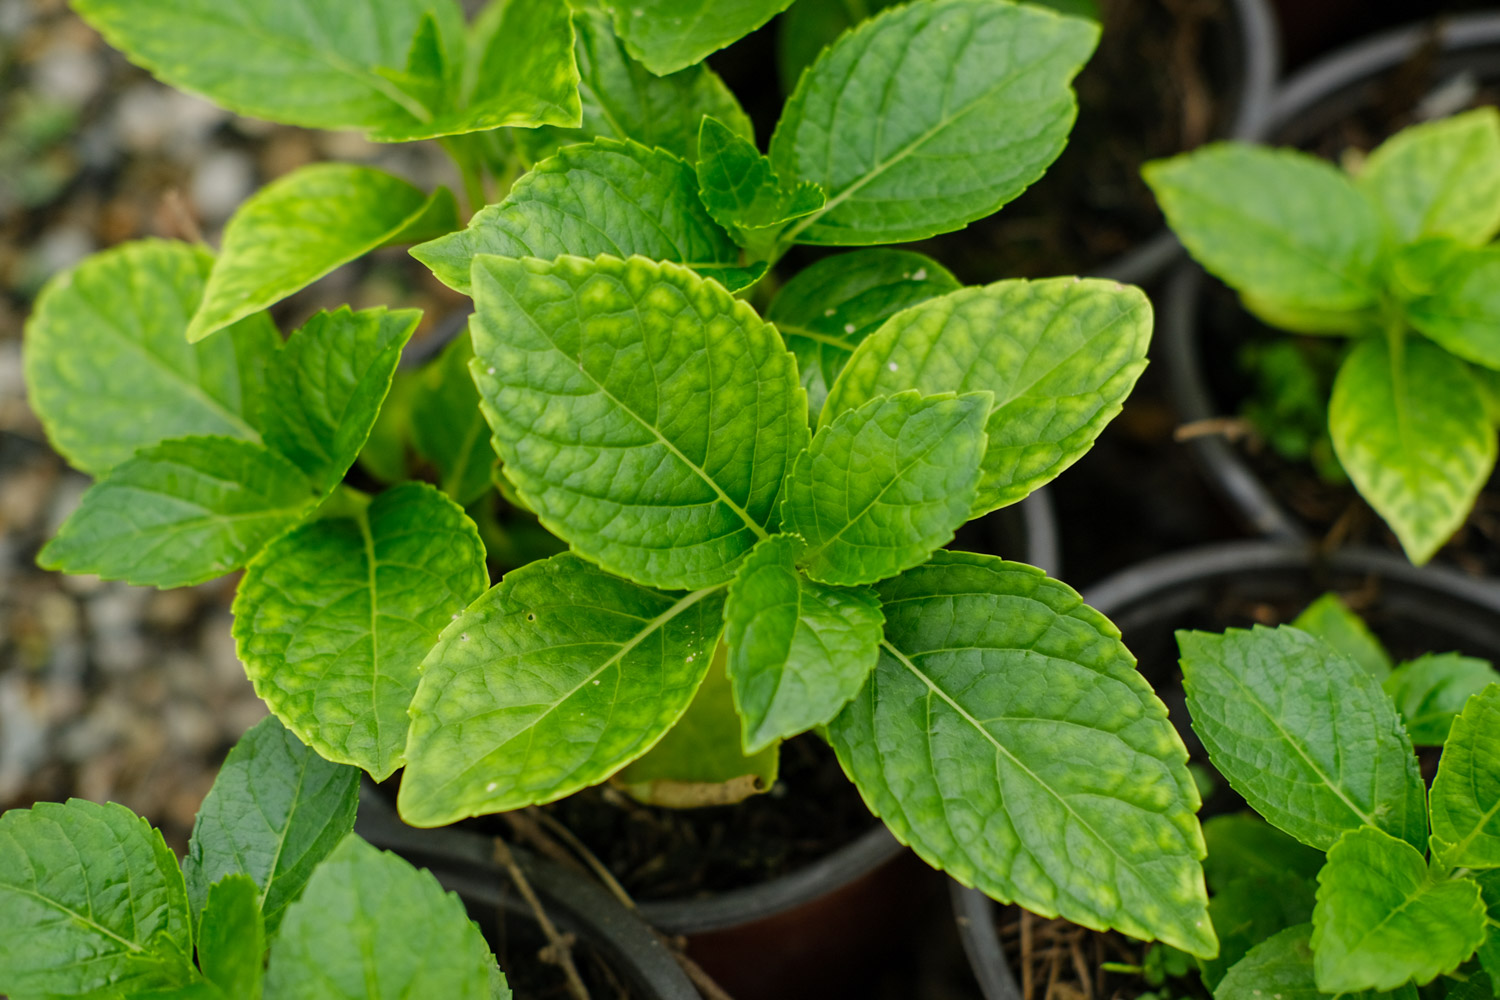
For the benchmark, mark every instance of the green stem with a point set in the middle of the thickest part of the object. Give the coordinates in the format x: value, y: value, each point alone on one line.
x: 469, y: 169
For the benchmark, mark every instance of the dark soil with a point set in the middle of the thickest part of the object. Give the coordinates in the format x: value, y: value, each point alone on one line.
x: 1163, y: 80
x: 521, y: 949
x: 657, y: 854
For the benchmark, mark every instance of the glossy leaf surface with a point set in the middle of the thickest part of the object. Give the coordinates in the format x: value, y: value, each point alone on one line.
x: 1466, y: 791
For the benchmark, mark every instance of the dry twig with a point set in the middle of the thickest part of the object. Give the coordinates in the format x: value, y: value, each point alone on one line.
x: 559, y: 949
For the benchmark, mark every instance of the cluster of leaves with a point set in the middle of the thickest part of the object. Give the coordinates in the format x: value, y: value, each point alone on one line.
x: 1397, y: 256
x: 1360, y: 881
x: 754, y: 507
x: 277, y: 897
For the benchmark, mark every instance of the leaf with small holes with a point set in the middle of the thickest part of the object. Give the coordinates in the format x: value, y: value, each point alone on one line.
x: 299, y: 227
x: 1303, y: 733
x: 181, y: 513
x: 275, y: 811
x: 1413, y: 433
x: 370, y: 926
x: 799, y: 650
x: 1466, y: 791
x: 602, y: 197
x: 1060, y: 356
x: 634, y: 402
x: 827, y: 309
x: 333, y: 619
x: 109, y: 372
x: 91, y: 903
x: 884, y: 485
x: 983, y: 108
x: 1007, y: 737
x: 557, y: 677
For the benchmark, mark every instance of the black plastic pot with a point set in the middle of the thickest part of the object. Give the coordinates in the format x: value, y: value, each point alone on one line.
x: 1414, y: 610
x: 1259, y: 54
x: 464, y: 863
x: 1309, y: 103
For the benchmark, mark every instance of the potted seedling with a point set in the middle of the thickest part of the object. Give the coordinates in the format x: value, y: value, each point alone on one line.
x: 754, y: 510
x: 1315, y: 401
x: 1426, y: 636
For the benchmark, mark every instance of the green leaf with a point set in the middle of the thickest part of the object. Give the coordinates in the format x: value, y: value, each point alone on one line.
x: 232, y: 937
x: 1250, y: 909
x: 798, y: 650
x: 669, y: 35
x: 180, y: 513
x: 633, y: 402
x: 384, y: 455
x: 1430, y: 690
x: 518, y: 71
x: 1283, y: 966
x: 274, y: 813
x: 299, y: 227
x: 807, y: 27
x: 603, y: 197
x: 1439, y: 178
x: 1330, y: 619
x: 983, y: 108
x: 326, y: 387
x: 1060, y: 355
x: 884, y: 485
x: 828, y: 309
x: 372, y: 927
x: 1489, y: 951
x: 447, y: 428
x: 1412, y: 431
x: 741, y: 189
x: 316, y: 63
x: 1463, y: 312
x: 109, y: 372
x: 621, y: 99
x: 1006, y: 736
x: 553, y: 680
x: 1466, y: 791
x: 1383, y: 919
x: 1303, y: 733
x: 91, y: 902
x: 699, y: 762
x: 332, y: 620
x: 1244, y: 846
x: 1288, y: 231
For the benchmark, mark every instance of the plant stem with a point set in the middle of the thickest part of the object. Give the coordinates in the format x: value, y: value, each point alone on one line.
x: 469, y: 170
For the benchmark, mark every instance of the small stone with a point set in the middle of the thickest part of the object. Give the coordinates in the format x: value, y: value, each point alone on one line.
x: 172, y: 610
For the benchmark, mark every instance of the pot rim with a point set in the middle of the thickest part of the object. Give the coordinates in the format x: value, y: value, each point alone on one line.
x: 1224, y: 467
x: 466, y: 865
x: 973, y: 911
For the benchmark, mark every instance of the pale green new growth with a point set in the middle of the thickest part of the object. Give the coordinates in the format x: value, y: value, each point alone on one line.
x: 983, y: 108
x: 333, y: 619
x: 621, y: 99
x: 1383, y: 919
x: 1283, y: 966
x: 884, y: 485
x: 372, y: 927
x: 798, y: 650
x: 108, y: 368
x: 633, y: 402
x: 91, y: 902
x: 1059, y: 355
x: 670, y: 35
x: 1412, y: 431
x: 1439, y: 178
x: 1430, y: 690
x: 553, y: 680
x: 602, y: 197
x: 298, y: 228
x: 994, y: 685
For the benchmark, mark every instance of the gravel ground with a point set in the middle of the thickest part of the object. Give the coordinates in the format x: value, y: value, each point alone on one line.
x: 109, y: 691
